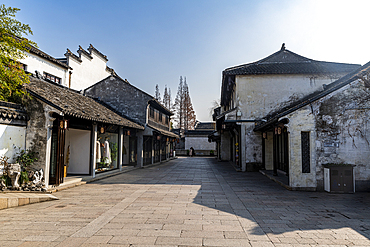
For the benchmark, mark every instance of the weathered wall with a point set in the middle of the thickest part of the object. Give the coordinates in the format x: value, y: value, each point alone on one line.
x: 12, y: 140
x: 339, y: 133
x: 123, y: 97
x: 36, y: 134
x: 258, y: 95
x: 253, y: 148
x: 301, y: 120
x: 342, y: 123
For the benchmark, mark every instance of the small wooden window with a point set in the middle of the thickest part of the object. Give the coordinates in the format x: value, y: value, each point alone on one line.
x: 151, y: 112
x: 52, y: 78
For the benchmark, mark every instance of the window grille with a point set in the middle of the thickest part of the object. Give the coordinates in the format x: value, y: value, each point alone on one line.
x: 52, y: 78
x: 305, y: 148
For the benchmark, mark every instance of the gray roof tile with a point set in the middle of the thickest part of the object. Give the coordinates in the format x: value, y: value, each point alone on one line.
x: 72, y: 103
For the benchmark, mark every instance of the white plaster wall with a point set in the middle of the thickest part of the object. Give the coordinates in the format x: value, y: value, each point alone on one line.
x: 301, y: 120
x: 42, y: 65
x: 12, y: 140
x: 343, y: 119
x: 87, y: 72
x: 354, y: 146
x: 199, y: 143
x: 253, y: 145
x: 258, y: 95
x: 79, y: 158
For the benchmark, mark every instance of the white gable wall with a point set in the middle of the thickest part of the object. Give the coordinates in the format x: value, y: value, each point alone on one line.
x: 87, y: 72
x: 42, y: 65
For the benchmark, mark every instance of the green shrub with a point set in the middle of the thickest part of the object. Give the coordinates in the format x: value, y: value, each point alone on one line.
x: 26, y: 157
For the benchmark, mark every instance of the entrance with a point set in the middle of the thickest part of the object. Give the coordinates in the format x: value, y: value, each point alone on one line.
x: 281, y: 155
x: 56, y: 174
x: 147, y: 150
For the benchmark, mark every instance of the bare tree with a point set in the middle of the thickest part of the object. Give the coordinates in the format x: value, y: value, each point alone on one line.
x: 189, y: 113
x: 184, y: 112
x: 179, y: 106
x: 157, y: 93
x: 167, y: 98
x: 215, y: 104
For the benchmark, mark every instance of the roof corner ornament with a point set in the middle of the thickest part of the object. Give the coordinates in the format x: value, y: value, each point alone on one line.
x: 283, y: 47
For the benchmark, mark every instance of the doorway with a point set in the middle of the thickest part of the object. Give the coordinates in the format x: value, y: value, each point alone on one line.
x: 56, y: 174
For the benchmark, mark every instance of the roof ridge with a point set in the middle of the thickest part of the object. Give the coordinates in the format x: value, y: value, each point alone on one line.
x: 83, y: 51
x: 92, y: 48
x: 283, y: 50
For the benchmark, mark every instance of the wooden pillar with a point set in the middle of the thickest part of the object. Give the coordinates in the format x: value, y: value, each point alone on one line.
x: 275, y: 154
x: 120, y: 148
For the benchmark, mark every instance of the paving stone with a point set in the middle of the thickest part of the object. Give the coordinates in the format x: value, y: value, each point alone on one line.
x: 187, y: 202
x: 202, y: 234
x: 179, y: 241
x: 226, y: 242
x: 235, y: 234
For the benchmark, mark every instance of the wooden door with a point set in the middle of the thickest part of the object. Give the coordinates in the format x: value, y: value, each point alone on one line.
x: 56, y: 175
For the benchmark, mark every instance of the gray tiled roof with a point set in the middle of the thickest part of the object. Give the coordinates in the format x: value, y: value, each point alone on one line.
x: 40, y: 53
x: 204, y: 126
x: 164, y: 132
x: 74, y: 104
x: 281, y: 62
x: 12, y: 111
x: 287, y: 62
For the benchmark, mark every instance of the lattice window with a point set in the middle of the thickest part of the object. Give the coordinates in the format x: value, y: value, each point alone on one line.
x: 52, y: 78
x: 151, y: 112
x: 305, y: 148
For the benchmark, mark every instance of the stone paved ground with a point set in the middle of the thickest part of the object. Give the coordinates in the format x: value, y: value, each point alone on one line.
x: 189, y: 202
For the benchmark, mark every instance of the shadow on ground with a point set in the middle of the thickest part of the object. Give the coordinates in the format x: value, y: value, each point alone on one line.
x: 266, y: 206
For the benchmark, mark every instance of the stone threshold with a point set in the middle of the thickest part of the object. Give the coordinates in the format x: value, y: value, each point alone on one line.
x: 9, y: 200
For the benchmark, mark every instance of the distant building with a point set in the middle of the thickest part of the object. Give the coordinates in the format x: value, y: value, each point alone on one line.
x: 198, y: 139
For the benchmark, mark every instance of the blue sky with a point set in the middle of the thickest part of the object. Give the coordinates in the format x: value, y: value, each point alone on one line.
x: 156, y: 42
